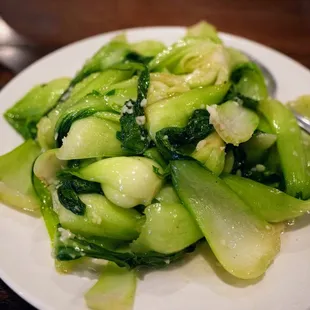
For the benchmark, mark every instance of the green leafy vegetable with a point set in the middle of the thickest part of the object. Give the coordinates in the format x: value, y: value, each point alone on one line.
x: 46, y: 207
x: 165, y: 85
x: 101, y: 219
x: 200, y: 60
x: 289, y: 144
x: 80, y: 186
x: 236, y: 57
x: 168, y: 228
x: 68, y: 190
x: 86, y: 107
x: 76, y: 246
x: 176, y: 111
x: 110, y: 54
x: 47, y: 165
x: 50, y: 219
x: 70, y: 200
x: 165, y: 174
x: 211, y: 153
x: 269, y: 203
x: 126, y: 181
x: 115, y: 289
x: 203, y: 30
x: 264, y: 172
x: 167, y: 195
x: 95, y: 83
x: 133, y: 134
x: 16, y: 187
x: 155, y: 155
x: 148, y: 48
x: 121, y: 92
x: 256, y: 148
x: 244, y: 244
x: 27, y: 112
x: 97, y: 138
x: 234, y: 123
x: 248, y: 85
x: 170, y: 139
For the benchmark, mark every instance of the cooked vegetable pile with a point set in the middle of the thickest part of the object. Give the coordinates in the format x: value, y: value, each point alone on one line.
x: 150, y: 150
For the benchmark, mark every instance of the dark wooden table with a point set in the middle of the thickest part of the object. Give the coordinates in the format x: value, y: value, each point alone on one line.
x: 31, y: 29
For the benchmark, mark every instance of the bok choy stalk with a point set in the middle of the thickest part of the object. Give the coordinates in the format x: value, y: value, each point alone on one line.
x: 114, y: 290
x: 51, y: 222
x: 169, y: 228
x: 88, y: 130
x: 243, y: 243
x: 176, y: 111
x: 121, y: 92
x: 267, y: 202
x: 125, y: 181
x: 87, y: 106
x: 257, y: 147
x: 289, y: 144
x: 96, y: 138
x: 233, y: 122
x: 167, y: 194
x: 27, y: 112
x: 211, y: 153
x: 101, y: 218
x: 46, y: 207
x: 16, y: 188
x: 47, y: 165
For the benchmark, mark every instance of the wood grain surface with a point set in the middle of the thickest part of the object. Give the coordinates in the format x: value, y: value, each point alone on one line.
x: 31, y: 29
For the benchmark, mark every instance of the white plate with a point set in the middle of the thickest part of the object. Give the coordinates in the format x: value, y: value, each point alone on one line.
x: 25, y: 256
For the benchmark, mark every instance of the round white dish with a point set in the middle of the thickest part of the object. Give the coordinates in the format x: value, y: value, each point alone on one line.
x: 25, y: 256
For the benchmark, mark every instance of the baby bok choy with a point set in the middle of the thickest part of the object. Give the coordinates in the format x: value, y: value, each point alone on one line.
x: 91, y: 137
x: 16, y: 187
x: 243, y: 243
x: 289, y: 144
x: 233, y: 122
x: 125, y: 181
x: 211, y: 153
x: 169, y: 228
x: 95, y: 83
x: 176, y: 111
x: 269, y: 203
x: 28, y: 111
x: 114, y: 290
x: 101, y: 218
